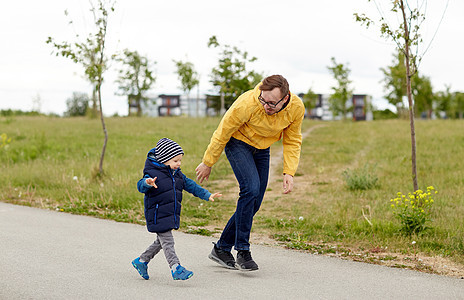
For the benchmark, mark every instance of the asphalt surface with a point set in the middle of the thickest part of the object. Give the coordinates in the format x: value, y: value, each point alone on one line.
x: 52, y: 255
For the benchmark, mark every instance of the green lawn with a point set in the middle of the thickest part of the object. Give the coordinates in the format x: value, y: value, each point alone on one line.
x: 51, y: 162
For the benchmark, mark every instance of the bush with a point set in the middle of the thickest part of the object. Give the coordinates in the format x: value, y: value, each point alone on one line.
x: 4, y: 141
x: 384, y: 114
x: 77, y: 105
x: 414, y: 210
x: 360, y: 179
x: 14, y: 113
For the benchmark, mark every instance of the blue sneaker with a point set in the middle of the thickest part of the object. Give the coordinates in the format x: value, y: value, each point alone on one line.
x: 141, y: 267
x: 181, y: 273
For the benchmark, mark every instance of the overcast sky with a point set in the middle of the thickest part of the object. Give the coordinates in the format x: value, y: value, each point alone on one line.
x: 292, y: 38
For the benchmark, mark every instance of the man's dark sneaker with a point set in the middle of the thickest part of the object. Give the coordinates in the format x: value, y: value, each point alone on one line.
x: 245, y: 262
x: 222, y: 257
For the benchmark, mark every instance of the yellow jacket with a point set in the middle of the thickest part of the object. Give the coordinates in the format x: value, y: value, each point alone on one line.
x: 246, y: 120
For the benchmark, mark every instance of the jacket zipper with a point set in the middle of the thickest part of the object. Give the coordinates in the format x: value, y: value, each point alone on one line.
x: 156, y: 213
x: 175, y: 196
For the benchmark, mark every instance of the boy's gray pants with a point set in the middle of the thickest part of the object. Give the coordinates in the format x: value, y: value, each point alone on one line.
x: 164, y: 241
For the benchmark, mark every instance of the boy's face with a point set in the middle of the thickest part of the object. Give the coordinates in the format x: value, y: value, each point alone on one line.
x: 174, y: 162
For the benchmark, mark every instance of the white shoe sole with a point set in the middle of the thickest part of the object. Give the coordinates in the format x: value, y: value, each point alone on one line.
x: 217, y: 260
x: 244, y: 270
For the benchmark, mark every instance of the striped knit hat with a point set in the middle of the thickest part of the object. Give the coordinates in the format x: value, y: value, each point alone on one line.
x: 166, y: 149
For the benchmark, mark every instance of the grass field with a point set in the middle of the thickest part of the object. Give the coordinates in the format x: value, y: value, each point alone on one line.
x: 51, y: 162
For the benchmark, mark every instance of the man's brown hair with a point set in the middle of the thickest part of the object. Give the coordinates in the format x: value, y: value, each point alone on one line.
x: 275, y: 81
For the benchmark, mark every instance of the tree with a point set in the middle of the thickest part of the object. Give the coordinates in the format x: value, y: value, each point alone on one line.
x: 77, y: 105
x: 91, y: 55
x: 396, y: 87
x: 135, y: 77
x: 407, y: 39
x: 310, y: 99
x: 342, y: 92
x: 188, y: 77
x: 231, y: 76
x: 450, y: 103
x: 458, y: 104
x: 423, y: 95
x: 444, y: 102
x: 395, y: 82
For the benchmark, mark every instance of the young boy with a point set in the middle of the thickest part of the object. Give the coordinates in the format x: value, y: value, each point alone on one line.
x: 162, y: 184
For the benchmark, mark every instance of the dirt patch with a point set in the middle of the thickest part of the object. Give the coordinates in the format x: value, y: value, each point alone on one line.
x: 378, y: 256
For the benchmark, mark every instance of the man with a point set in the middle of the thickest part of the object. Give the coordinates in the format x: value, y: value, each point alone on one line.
x: 256, y: 120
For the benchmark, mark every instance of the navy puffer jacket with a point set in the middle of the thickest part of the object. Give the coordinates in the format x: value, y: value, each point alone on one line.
x: 163, y: 204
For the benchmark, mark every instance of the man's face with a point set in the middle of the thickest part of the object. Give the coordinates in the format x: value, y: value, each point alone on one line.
x: 272, y: 101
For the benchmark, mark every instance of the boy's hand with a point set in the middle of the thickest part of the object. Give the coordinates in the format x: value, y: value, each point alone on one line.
x: 215, y: 195
x: 151, y: 181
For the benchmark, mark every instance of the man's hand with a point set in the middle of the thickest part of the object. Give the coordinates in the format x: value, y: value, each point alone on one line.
x: 288, y: 183
x: 202, y: 172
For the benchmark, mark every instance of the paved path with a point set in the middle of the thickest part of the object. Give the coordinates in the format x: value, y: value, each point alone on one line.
x: 51, y: 255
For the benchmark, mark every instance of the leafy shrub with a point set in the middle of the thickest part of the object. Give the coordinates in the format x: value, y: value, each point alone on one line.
x: 77, y: 105
x: 4, y: 141
x: 414, y: 210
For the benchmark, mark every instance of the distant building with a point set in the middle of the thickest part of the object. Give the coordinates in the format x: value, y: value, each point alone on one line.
x: 359, y: 106
x: 172, y: 105
x: 193, y: 107
x: 362, y: 108
x: 180, y: 105
x: 169, y: 105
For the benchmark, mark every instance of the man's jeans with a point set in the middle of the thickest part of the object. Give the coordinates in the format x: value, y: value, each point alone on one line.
x: 251, y: 168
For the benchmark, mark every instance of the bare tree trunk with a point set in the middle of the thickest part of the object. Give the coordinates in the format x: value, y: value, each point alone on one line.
x: 104, y: 129
x: 344, y: 109
x: 100, y: 81
x: 411, y: 105
x: 139, y: 105
x: 94, y: 102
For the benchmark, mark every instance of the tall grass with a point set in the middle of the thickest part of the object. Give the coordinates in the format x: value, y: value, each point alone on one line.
x: 49, y: 164
x: 332, y: 212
